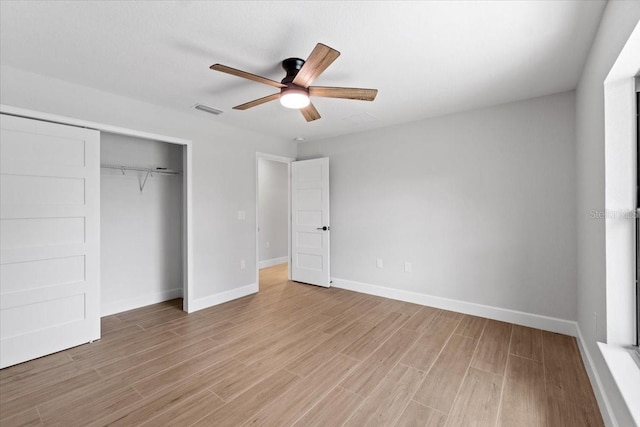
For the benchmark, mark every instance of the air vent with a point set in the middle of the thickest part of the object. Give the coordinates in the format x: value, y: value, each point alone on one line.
x: 207, y: 109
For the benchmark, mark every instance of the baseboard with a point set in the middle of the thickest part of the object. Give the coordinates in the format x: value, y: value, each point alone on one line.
x: 141, y: 301
x: 273, y: 261
x: 596, y: 383
x: 537, y: 321
x: 222, y: 297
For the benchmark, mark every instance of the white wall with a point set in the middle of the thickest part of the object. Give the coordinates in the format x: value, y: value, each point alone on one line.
x: 618, y: 21
x: 141, y: 231
x: 273, y: 196
x: 224, y: 172
x: 481, y: 203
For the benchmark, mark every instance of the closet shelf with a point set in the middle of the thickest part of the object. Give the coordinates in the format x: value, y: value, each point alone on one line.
x: 124, y: 168
x: 147, y: 171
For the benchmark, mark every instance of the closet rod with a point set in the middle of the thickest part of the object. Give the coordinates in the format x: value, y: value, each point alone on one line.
x: 148, y: 172
x: 141, y: 169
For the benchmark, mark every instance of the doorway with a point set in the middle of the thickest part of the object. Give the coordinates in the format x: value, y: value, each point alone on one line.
x: 273, y: 214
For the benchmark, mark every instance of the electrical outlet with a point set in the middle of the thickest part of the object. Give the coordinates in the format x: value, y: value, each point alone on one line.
x: 379, y: 262
x: 407, y: 267
x: 242, y: 215
x: 243, y: 264
x: 268, y: 245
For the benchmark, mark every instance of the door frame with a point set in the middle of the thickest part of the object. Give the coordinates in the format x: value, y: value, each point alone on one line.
x: 187, y: 223
x: 288, y: 161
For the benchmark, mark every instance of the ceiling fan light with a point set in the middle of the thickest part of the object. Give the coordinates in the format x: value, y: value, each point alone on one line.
x: 294, y: 97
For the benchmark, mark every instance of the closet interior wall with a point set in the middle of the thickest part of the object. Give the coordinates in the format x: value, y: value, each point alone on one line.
x: 141, y: 230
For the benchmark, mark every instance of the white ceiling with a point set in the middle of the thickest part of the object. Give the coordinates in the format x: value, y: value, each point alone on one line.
x: 425, y: 58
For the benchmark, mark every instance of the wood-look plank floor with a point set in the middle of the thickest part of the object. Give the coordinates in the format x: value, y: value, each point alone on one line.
x: 296, y: 354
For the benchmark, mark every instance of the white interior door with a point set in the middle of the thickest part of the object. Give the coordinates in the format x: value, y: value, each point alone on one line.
x: 310, y: 225
x: 49, y: 238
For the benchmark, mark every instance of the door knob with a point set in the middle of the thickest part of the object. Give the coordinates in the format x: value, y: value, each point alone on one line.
x: 325, y: 228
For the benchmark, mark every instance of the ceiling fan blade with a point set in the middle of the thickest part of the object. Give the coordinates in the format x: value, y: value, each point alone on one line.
x: 257, y: 102
x: 245, y: 75
x: 344, y: 92
x: 321, y: 57
x: 310, y: 113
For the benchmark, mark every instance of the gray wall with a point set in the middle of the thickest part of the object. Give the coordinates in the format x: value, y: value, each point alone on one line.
x: 618, y: 21
x: 481, y: 203
x: 224, y: 172
x: 273, y: 196
x: 141, y: 232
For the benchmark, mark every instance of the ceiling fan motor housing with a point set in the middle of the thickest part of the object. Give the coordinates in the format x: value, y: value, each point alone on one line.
x: 291, y: 66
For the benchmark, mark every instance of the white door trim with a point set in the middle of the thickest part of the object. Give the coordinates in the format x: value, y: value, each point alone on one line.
x: 187, y: 249
x: 47, y: 117
x: 287, y: 160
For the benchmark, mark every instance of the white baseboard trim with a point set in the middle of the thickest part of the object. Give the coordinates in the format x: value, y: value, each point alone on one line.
x: 596, y: 383
x: 552, y: 324
x: 273, y: 261
x: 222, y: 297
x: 141, y: 301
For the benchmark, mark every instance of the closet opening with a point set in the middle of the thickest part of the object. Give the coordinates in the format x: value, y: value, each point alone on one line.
x: 142, y: 224
x: 273, y: 213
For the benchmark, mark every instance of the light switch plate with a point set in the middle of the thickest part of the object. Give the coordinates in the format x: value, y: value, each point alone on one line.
x: 407, y: 267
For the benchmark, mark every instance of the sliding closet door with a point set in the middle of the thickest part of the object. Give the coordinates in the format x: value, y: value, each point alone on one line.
x: 49, y: 238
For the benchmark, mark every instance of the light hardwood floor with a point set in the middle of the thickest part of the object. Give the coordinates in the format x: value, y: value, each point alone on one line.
x: 300, y: 355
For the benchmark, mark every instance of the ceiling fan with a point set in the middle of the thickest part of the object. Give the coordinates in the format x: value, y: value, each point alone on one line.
x: 295, y: 88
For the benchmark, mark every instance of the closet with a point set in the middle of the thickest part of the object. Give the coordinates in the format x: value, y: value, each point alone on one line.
x: 141, y: 207
x: 94, y: 220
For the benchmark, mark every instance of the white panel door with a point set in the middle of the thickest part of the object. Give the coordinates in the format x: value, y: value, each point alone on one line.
x: 49, y: 238
x: 310, y: 221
